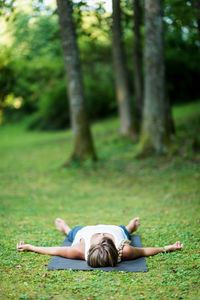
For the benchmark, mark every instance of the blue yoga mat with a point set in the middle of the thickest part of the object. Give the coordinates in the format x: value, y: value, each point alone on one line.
x: 136, y: 265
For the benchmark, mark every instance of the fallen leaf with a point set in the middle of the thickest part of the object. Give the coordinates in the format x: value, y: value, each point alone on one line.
x: 18, y: 266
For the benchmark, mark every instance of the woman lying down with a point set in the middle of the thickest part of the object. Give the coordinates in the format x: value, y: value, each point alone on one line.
x: 99, y: 245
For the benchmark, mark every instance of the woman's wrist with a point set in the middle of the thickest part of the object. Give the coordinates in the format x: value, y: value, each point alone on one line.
x: 30, y: 248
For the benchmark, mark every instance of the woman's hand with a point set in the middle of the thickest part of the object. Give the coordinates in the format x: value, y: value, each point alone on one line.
x: 175, y: 247
x: 23, y: 247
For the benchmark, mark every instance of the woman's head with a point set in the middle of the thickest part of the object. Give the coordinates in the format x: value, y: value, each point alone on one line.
x: 103, y: 254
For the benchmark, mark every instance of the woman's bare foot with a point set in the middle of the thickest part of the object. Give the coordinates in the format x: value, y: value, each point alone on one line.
x: 133, y: 225
x: 177, y: 246
x: 62, y: 226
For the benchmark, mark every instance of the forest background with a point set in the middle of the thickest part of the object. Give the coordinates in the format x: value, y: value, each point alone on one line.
x: 35, y: 141
x: 32, y: 81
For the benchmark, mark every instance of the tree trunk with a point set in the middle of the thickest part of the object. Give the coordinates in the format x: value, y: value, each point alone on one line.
x: 138, y: 81
x: 196, y: 4
x: 121, y: 78
x: 157, y: 119
x: 82, y: 139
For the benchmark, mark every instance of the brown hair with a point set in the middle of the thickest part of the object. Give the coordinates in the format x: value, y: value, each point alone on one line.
x: 103, y: 254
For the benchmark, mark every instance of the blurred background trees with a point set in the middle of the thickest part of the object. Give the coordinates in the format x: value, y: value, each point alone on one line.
x: 137, y: 59
x: 32, y: 74
x: 196, y: 4
x: 82, y: 139
x: 156, y: 123
x: 122, y: 88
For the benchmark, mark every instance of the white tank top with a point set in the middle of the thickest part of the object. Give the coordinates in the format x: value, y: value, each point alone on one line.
x: 88, y: 231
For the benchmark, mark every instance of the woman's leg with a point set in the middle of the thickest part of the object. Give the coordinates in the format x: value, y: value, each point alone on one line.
x: 62, y: 226
x: 133, y: 225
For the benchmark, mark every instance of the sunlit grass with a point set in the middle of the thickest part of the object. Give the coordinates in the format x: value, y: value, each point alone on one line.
x: 164, y: 192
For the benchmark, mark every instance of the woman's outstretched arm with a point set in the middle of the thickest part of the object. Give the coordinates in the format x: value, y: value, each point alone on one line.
x: 130, y: 252
x: 68, y: 252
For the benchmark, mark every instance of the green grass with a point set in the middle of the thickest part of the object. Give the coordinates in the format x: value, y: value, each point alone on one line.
x: 163, y: 191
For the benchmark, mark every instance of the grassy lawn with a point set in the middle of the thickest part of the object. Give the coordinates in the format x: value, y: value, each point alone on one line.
x: 164, y: 192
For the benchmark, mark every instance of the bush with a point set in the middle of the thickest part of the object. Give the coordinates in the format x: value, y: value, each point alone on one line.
x: 53, y: 110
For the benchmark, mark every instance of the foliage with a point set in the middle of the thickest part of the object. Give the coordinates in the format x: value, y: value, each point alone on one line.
x: 182, y: 50
x: 33, y: 58
x: 35, y: 190
x: 32, y: 67
x: 47, y: 116
x: 37, y: 59
x: 6, y: 7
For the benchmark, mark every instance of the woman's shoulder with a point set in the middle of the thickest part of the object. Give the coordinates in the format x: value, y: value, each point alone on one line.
x: 127, y: 252
x: 79, y: 249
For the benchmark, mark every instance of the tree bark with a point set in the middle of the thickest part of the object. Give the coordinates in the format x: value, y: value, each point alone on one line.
x: 138, y: 81
x: 121, y: 77
x: 82, y: 139
x: 157, y: 119
x: 196, y: 4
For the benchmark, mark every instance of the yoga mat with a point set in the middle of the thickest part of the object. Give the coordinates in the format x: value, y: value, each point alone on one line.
x: 136, y: 265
